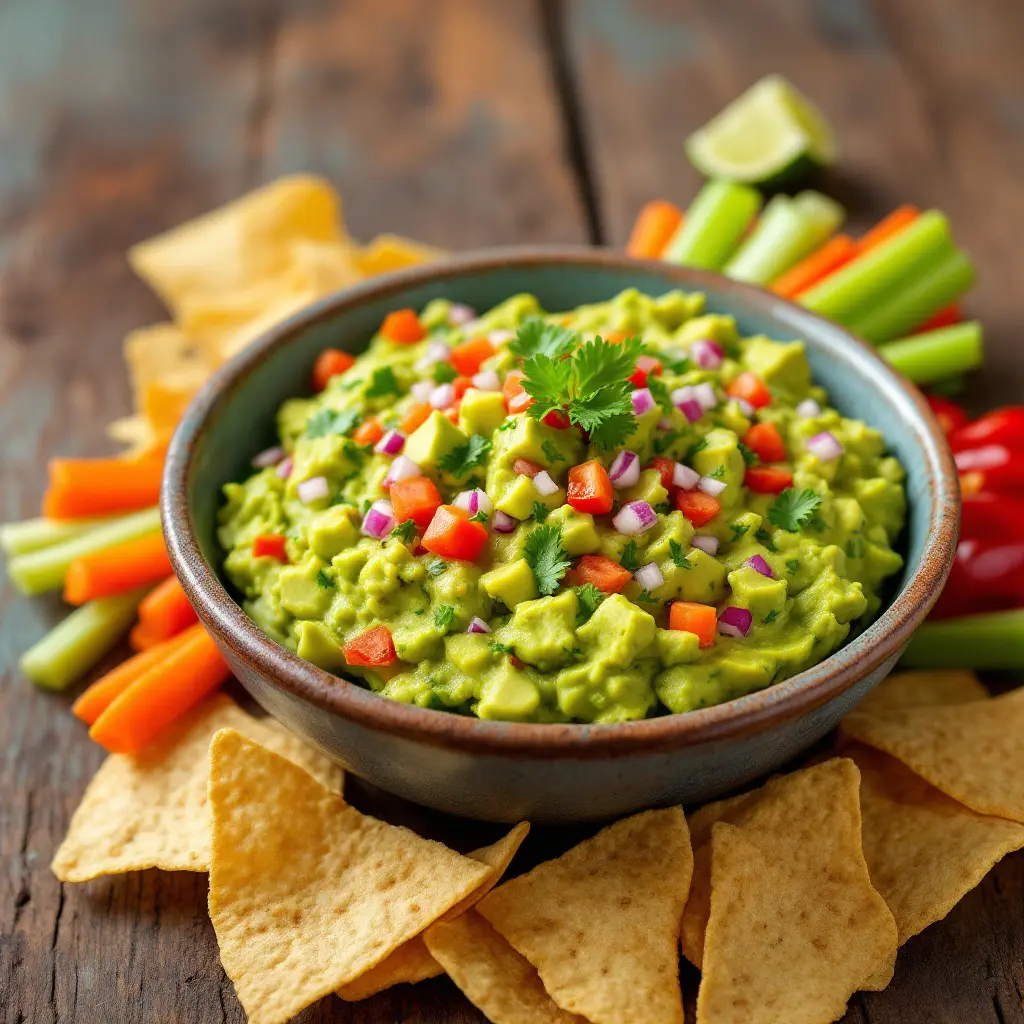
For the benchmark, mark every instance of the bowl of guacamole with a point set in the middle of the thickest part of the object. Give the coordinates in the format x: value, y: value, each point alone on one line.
x: 533, y: 509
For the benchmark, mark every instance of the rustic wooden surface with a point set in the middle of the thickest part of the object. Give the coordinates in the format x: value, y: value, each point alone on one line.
x: 463, y: 122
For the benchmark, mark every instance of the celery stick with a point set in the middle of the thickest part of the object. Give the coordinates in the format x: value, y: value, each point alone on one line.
x: 934, y: 355
x: 993, y: 640
x: 713, y: 225
x: 901, y: 311
x: 73, y: 646
x: 852, y: 291
x: 788, y: 230
x: 33, y: 534
x: 44, y: 570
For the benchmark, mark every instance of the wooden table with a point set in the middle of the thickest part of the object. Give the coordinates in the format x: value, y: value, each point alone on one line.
x: 463, y: 123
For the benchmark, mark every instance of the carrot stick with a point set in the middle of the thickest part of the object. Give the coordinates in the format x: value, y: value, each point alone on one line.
x: 901, y: 217
x: 124, y: 567
x: 947, y: 317
x: 141, y: 639
x: 165, y: 610
x: 102, y: 693
x: 96, y: 487
x: 162, y: 695
x: 835, y: 253
x: 655, y: 224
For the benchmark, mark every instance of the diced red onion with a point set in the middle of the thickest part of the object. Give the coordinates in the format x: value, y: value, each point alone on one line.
x: 544, y: 484
x: 649, y: 577
x: 691, y: 409
x: 477, y: 625
x: 707, y: 354
x: 459, y: 314
x: 705, y: 394
x: 436, y: 352
x: 442, y: 396
x: 735, y: 622
x: 634, y: 517
x: 422, y: 390
x: 313, y: 489
x: 625, y: 470
x: 643, y: 401
x: 504, y: 523
x: 379, y: 520
x: 487, y: 380
x: 706, y: 543
x: 745, y: 407
x: 497, y: 338
x: 474, y: 501
x: 684, y: 478
x: 664, y: 423
x: 709, y: 485
x: 391, y: 443
x: 284, y: 469
x: 758, y: 564
x: 808, y: 409
x: 268, y: 457
x: 401, y: 469
x: 825, y: 446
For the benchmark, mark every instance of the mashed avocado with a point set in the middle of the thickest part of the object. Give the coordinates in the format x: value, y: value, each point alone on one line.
x: 593, y: 516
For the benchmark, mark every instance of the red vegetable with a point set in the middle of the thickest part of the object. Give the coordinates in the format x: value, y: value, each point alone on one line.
x: 767, y: 479
x: 699, y: 619
x: 330, y: 363
x: 951, y: 416
x: 451, y: 534
x: 991, y: 468
x: 369, y: 431
x: 698, y: 507
x: 524, y: 467
x: 750, y: 387
x: 373, y: 648
x: 985, y: 577
x: 589, y: 489
x: 645, y: 366
x: 666, y: 468
x: 765, y: 441
x: 655, y: 224
x: 992, y: 516
x: 1001, y: 426
x: 271, y: 544
x: 945, y: 317
x: 415, y: 498
x: 403, y: 326
x: 608, y: 576
x: 468, y: 357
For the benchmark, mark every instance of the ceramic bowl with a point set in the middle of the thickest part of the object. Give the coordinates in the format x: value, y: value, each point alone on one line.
x: 556, y: 773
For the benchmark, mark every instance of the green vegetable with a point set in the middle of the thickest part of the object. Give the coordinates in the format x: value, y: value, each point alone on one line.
x: 675, y: 550
x: 696, y: 448
x: 535, y: 337
x: 770, y: 617
x: 436, y: 567
x: 325, y: 581
x: 327, y: 421
x: 588, y: 597
x: 382, y: 383
x: 499, y: 648
x: 443, y: 615
x: 936, y: 355
x: 465, y: 457
x: 551, y: 453
x: 763, y: 537
x: 714, y: 225
x: 991, y: 641
x: 405, y: 531
x: 628, y: 557
x: 792, y: 565
x: 444, y: 373
x: 479, y: 517
x: 749, y: 456
x: 540, y: 511
x: 34, y: 534
x: 545, y: 555
x: 793, y: 509
x: 739, y: 529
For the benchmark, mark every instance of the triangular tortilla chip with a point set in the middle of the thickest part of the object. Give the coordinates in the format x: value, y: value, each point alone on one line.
x: 601, y: 923
x: 789, y: 939
x: 412, y: 961
x: 927, y: 686
x: 150, y: 810
x: 492, y: 975
x: 306, y: 893
x: 972, y: 752
x: 387, y: 252
x: 924, y: 850
x: 322, y: 267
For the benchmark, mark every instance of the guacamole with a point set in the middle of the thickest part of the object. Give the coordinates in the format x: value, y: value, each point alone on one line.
x: 600, y: 515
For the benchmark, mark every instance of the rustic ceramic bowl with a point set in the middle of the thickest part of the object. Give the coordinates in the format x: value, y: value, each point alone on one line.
x: 509, y: 771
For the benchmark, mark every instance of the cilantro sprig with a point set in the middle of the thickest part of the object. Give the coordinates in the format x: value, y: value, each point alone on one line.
x: 793, y: 509
x: 465, y: 457
x: 535, y: 337
x: 545, y: 555
x: 325, y: 422
x: 382, y: 383
x: 405, y: 532
x: 588, y: 597
x: 443, y: 615
x: 675, y: 550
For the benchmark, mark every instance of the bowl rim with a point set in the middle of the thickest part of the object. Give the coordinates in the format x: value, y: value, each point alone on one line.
x: 879, y: 643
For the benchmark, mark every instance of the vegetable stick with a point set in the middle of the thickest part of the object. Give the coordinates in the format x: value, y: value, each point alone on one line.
x: 140, y: 638
x: 161, y: 695
x: 994, y: 640
x: 895, y: 222
x: 166, y: 610
x: 713, y: 225
x: 36, y: 534
x: 655, y: 224
x: 75, y: 644
x: 93, y: 487
x: 936, y: 355
x: 945, y: 317
x: 44, y: 570
x: 120, y: 568
x: 835, y: 253
x: 102, y: 693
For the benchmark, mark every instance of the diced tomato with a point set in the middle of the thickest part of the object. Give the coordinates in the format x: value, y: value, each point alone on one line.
x: 524, y: 467
x: 699, y: 619
x: 519, y: 403
x: 416, y: 417
x: 557, y: 418
x: 369, y: 431
x: 451, y: 534
x: 468, y: 357
x: 765, y: 441
x: 415, y: 498
x: 951, y: 416
x: 330, y: 363
x: 373, y: 648
x: 768, y: 479
x: 645, y: 366
x: 752, y: 388
x: 999, y: 427
x: 271, y: 544
x: 460, y: 386
x: 666, y: 468
x: 698, y: 507
x: 452, y: 413
x: 590, y: 490
x: 512, y: 384
x: 403, y: 326
x: 608, y: 576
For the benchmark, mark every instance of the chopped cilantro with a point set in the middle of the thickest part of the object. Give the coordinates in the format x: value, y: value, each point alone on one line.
x: 695, y: 448
x: 551, y: 453
x: 645, y: 597
x: 444, y: 372
x: 325, y: 422
x: 419, y: 611
x: 628, y: 557
x: 382, y: 383
x: 443, y: 615
x: 738, y: 529
x: 664, y: 441
x: 588, y: 597
x: 354, y: 453
x: 325, y: 581
x: 663, y: 508
x: 540, y: 511
x: 660, y: 393
x: 792, y: 508
x: 675, y: 550
x: 436, y: 567
x: 770, y: 617
x: 816, y: 524
x: 749, y: 455
x: 718, y: 472
x: 764, y: 537
x: 465, y: 457
x: 509, y: 424
x: 479, y: 517
x: 364, y: 505
x: 792, y: 566
x: 545, y: 555
x: 405, y: 531
x: 499, y: 648
x: 535, y: 337
x: 677, y: 364
x: 855, y: 547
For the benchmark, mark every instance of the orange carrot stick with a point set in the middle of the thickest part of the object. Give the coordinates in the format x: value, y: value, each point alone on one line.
x: 102, y: 693
x: 165, y: 611
x: 161, y: 695
x: 115, y: 570
x: 835, y: 253
x: 141, y: 639
x: 901, y: 217
x: 655, y: 224
x: 95, y: 487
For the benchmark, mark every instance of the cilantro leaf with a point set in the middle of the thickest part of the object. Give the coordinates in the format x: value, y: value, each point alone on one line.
x: 675, y: 550
x: 855, y: 547
x: 793, y: 508
x: 443, y: 615
x: 762, y: 536
x: 465, y: 457
x: 770, y: 617
x: 540, y: 511
x: 792, y: 566
x: 405, y: 531
x: 509, y: 424
x: 662, y: 442
x: 588, y: 597
x: 545, y: 555
x: 718, y: 472
x: 628, y: 557
x: 551, y: 453
x: 660, y: 392
x: 697, y: 446
x: 325, y: 422
x: 535, y: 337
x: 601, y: 364
x: 645, y: 597
x: 677, y: 364
x: 749, y: 455
x: 382, y: 383
x: 325, y: 581
x: 738, y: 529
x: 436, y: 567
x: 479, y: 517
x: 499, y: 648
x: 443, y: 372
x: 608, y: 419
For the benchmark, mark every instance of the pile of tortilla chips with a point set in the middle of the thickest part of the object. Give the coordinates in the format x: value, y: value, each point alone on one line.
x: 789, y: 898
x: 229, y: 275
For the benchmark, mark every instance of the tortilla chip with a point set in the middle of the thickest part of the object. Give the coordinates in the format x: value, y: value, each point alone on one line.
x: 492, y: 975
x: 306, y: 893
x: 392, y: 252
x: 972, y: 752
x: 163, y: 354
x: 163, y: 406
x: 928, y: 686
x: 227, y: 343
x: 789, y: 939
x: 322, y: 267
x: 601, y: 923
x: 150, y: 810
x: 412, y: 962
x: 925, y: 851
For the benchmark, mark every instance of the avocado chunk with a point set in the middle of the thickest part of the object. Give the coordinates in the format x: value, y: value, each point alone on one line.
x: 764, y: 597
x: 677, y: 647
x: 781, y: 365
x: 617, y: 632
x: 468, y: 652
x: 507, y: 694
x: 527, y: 440
x: 433, y: 440
x: 542, y: 631
x: 481, y: 412
x: 579, y: 535
x: 648, y: 488
x: 300, y: 593
x: 512, y: 583
x: 514, y: 494
x: 333, y: 530
x: 318, y: 645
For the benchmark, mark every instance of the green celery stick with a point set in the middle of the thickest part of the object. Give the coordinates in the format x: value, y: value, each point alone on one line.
x: 45, y: 569
x: 788, y: 230
x: 852, y: 291
x: 73, y: 646
x: 994, y: 640
x: 713, y: 225
x: 935, y: 355
x: 902, y: 310
x: 33, y: 534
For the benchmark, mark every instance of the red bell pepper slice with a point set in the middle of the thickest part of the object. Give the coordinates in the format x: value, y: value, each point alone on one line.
x: 991, y: 468
x: 1001, y: 426
x: 985, y: 577
x: 951, y: 416
x: 992, y: 517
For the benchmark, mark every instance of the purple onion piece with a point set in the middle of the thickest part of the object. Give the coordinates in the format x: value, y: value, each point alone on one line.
x: 477, y: 625
x: 634, y: 517
x: 504, y: 523
x: 758, y: 564
x: 710, y: 486
x: 745, y: 407
x: 684, y: 478
x: 313, y: 489
x: 706, y: 543
x: 825, y: 446
x: 474, y: 501
x: 707, y: 354
x: 379, y: 520
x: 436, y: 352
x: 649, y: 577
x: 664, y: 423
x: 705, y: 394
x: 735, y: 622
x: 460, y: 314
x: 268, y: 457
x: 284, y: 469
x: 643, y: 401
x: 544, y: 484
x: 625, y: 470
x: 691, y: 409
x: 808, y: 409
x: 391, y: 443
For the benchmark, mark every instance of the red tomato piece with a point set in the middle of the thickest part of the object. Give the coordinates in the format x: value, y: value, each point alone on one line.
x: 524, y: 467
x: 416, y: 417
x: 373, y: 648
x: 330, y: 363
x: 369, y: 431
x: 699, y: 619
x: 403, y: 326
x: 415, y: 498
x: 666, y: 468
x: 460, y: 386
x: 557, y: 418
x: 608, y: 576
x: 468, y: 357
x: 765, y: 441
x: 645, y: 366
x: 451, y: 534
x: 589, y: 489
x: 749, y: 386
x: 768, y: 479
x: 271, y: 544
x: 698, y: 507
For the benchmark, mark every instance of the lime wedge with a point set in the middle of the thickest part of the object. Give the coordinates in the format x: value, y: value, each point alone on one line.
x: 769, y: 134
